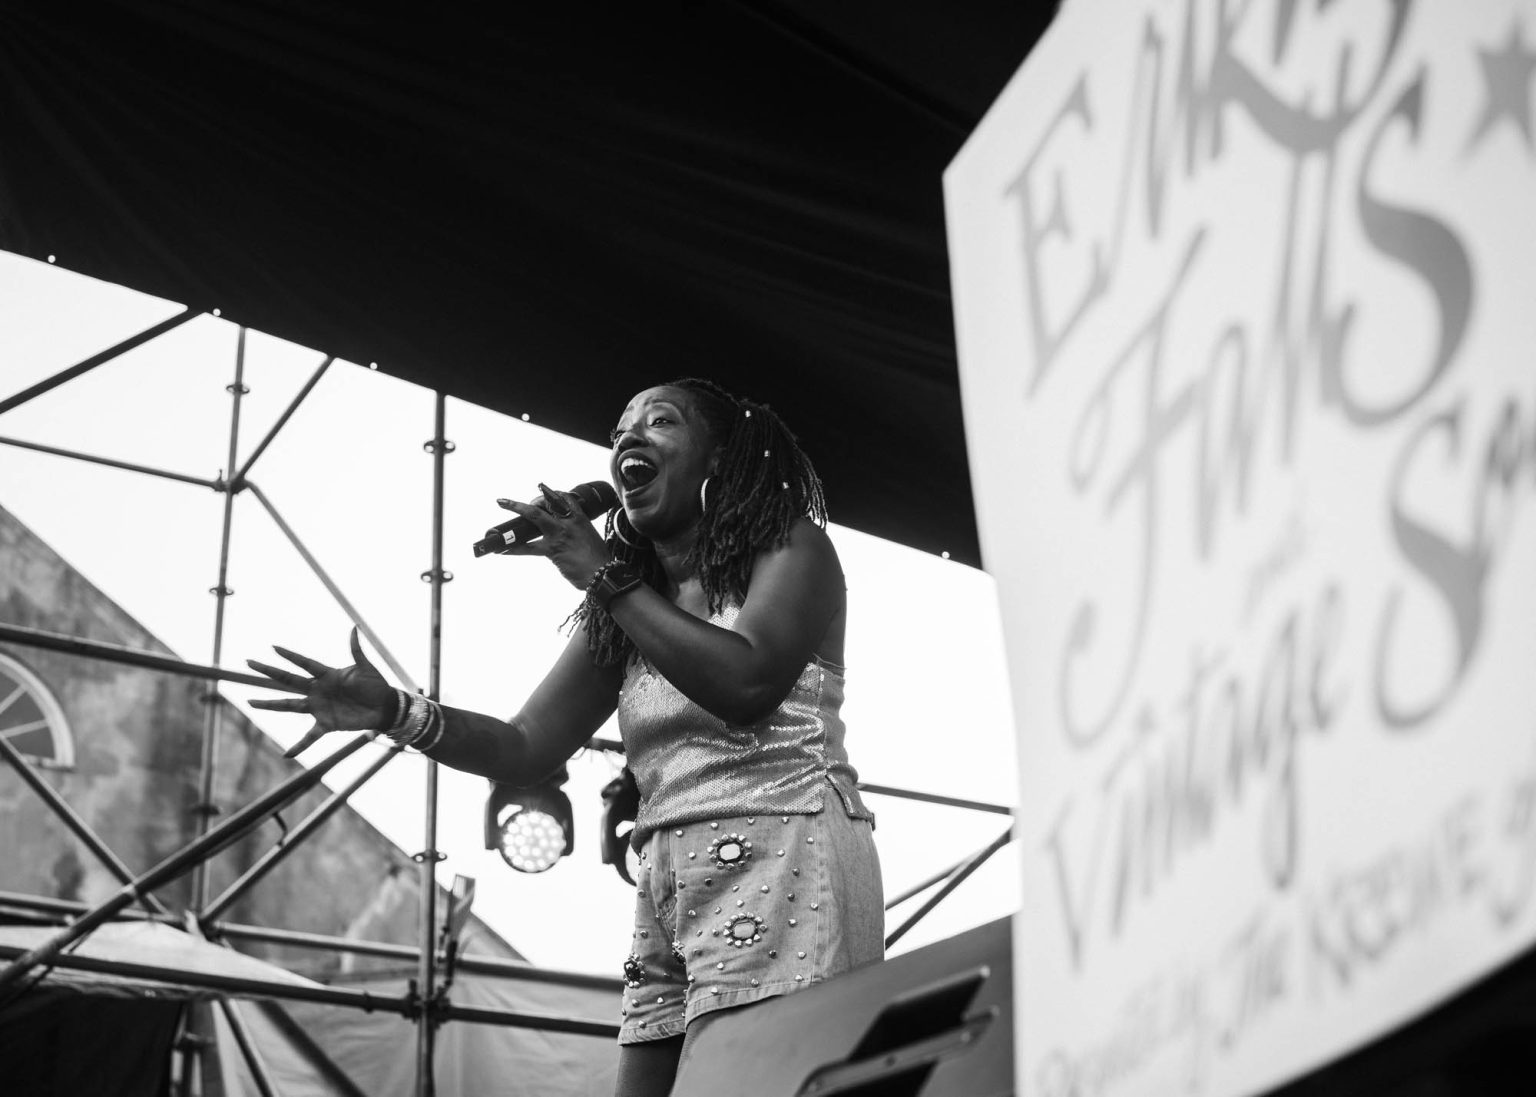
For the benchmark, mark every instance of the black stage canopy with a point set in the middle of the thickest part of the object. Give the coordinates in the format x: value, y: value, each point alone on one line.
x: 543, y: 207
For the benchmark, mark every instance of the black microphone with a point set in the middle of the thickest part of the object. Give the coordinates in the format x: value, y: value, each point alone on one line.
x: 596, y: 498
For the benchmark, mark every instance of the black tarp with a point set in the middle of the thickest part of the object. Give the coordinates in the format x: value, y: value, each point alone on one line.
x: 61, y: 1043
x: 542, y: 207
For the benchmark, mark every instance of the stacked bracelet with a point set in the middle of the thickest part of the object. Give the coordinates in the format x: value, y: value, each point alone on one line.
x: 611, y: 580
x: 418, y: 722
x: 397, y: 727
x: 433, y: 732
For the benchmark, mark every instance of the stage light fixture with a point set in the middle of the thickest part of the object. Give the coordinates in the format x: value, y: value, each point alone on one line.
x: 530, y: 827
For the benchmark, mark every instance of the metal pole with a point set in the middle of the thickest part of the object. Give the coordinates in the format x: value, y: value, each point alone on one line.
x: 114, y: 653
x: 955, y: 881
x: 180, y: 862
x: 518, y: 970
x: 317, y: 1056
x: 247, y: 1044
x: 111, y: 462
x: 230, y: 984
x: 188, y: 1046
x: 95, y: 360
x: 518, y: 1019
x: 238, y: 479
x: 213, y: 713
x: 426, y: 972
x: 292, y: 840
x: 341, y: 599
x: 931, y: 798
x: 405, y: 1005
x: 64, y: 910
x: 78, y: 826
x: 943, y: 874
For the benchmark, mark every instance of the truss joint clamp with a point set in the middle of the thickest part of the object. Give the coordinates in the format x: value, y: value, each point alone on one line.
x: 434, y: 1009
x: 436, y: 856
x: 438, y: 1006
x: 430, y: 446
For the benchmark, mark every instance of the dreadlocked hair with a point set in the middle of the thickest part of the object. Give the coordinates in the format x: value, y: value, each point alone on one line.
x: 762, y: 485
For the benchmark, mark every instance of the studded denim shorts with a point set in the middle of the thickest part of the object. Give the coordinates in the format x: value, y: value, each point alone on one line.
x: 732, y: 910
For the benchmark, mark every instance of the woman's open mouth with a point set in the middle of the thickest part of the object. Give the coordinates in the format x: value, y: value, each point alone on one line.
x: 635, y: 473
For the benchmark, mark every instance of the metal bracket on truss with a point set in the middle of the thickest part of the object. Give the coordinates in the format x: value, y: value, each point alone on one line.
x: 434, y: 1009
x: 413, y: 1004
x: 233, y: 486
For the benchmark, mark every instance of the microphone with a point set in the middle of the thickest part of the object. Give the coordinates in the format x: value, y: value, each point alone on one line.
x: 597, y: 498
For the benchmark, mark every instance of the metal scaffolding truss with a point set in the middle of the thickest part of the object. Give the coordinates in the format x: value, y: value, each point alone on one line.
x: 428, y: 1002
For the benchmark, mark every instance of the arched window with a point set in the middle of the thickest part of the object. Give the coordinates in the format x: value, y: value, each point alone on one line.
x: 31, y: 719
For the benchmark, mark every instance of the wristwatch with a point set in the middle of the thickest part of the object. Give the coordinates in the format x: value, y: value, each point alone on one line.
x: 613, y: 580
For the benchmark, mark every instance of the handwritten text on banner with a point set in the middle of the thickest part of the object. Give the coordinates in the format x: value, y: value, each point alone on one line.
x: 1246, y: 307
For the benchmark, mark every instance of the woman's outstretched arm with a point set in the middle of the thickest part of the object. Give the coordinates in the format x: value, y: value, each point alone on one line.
x: 564, y: 711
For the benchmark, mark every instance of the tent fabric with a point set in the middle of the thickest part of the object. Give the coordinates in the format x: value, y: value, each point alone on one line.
x: 542, y: 208
x: 292, y: 1071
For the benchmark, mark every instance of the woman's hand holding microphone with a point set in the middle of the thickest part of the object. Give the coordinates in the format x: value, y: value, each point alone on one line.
x: 566, y: 535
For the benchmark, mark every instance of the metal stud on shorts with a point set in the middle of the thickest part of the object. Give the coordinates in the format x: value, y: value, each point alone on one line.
x: 744, y: 929
x: 730, y: 851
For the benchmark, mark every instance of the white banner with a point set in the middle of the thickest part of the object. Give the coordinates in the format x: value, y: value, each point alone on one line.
x: 1246, y: 308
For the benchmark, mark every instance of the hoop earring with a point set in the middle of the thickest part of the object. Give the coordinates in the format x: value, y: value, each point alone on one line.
x: 704, y: 495
x: 619, y: 521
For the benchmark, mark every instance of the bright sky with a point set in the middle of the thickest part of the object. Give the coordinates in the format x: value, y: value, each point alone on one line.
x: 927, y: 707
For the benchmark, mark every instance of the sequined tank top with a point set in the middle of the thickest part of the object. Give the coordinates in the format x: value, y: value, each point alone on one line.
x: 690, y: 765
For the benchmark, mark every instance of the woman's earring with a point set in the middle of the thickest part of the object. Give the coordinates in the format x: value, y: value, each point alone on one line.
x: 619, y: 522
x: 704, y: 495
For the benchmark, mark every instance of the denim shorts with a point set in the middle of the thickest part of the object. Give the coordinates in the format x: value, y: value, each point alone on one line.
x: 728, y: 911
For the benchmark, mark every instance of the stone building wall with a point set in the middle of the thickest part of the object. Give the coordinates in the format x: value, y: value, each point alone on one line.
x: 134, y: 779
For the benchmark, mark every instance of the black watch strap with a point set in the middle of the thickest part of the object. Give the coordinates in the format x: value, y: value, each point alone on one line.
x: 612, y: 581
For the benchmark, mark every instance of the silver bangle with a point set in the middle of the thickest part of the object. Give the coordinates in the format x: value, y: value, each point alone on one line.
x: 402, y: 715
x: 406, y: 731
x: 433, y: 732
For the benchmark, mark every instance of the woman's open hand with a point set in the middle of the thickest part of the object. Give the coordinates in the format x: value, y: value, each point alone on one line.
x: 355, y: 698
x: 566, y: 535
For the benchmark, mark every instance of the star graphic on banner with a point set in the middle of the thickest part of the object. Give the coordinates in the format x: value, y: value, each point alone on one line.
x: 1507, y: 83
